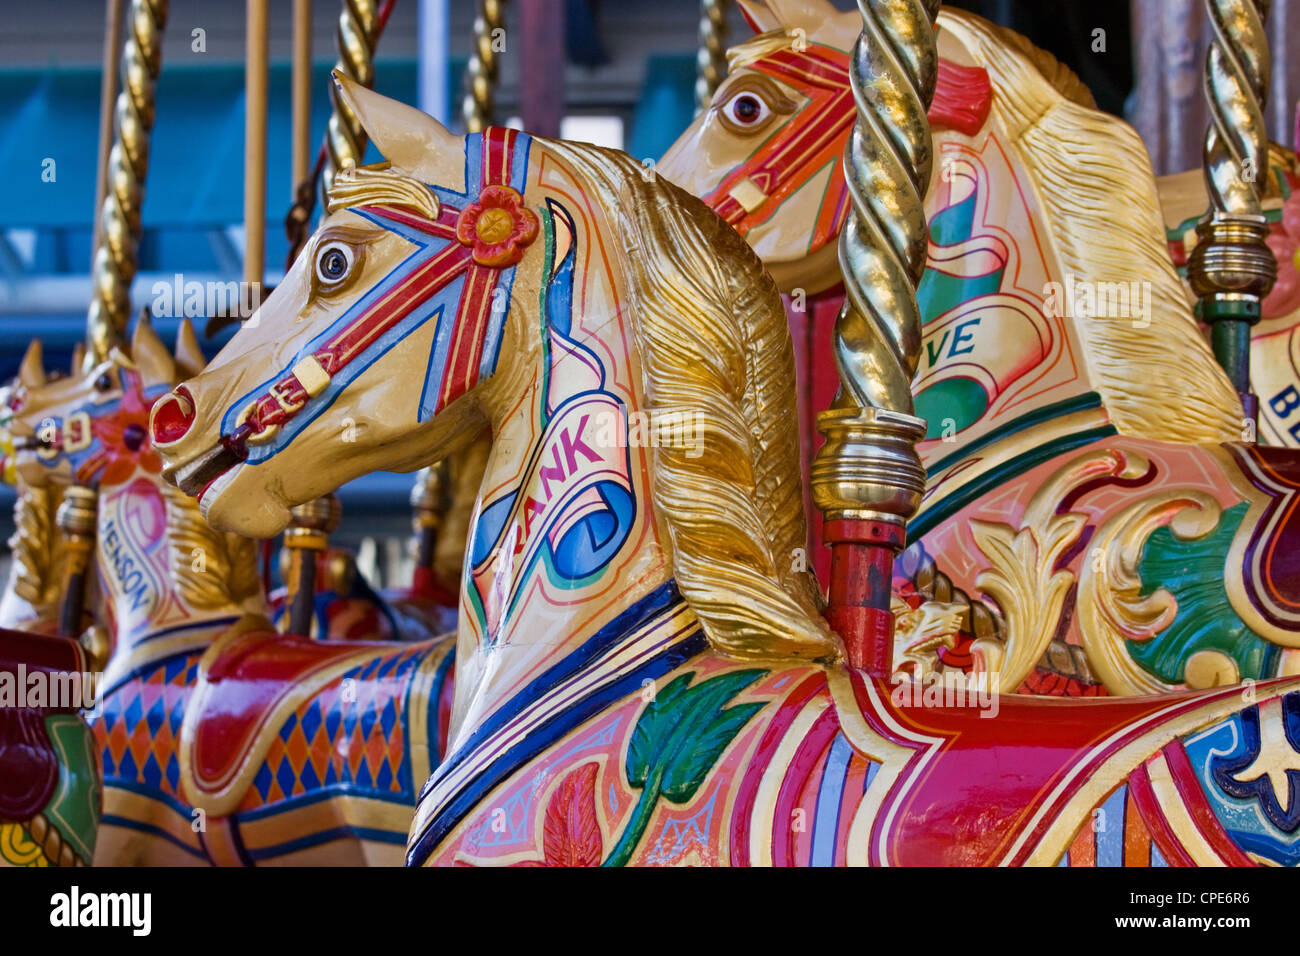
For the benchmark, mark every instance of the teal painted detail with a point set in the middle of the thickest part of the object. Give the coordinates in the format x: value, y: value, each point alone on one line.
x: 1068, y: 406
x: 953, y: 224
x: 959, y: 401
x: 677, y: 739
x: 938, y: 291
x: 74, y: 808
x: 945, y: 508
x: 1191, y: 569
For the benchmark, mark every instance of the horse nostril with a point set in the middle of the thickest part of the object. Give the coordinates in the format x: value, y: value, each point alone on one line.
x: 172, y: 416
x: 133, y: 436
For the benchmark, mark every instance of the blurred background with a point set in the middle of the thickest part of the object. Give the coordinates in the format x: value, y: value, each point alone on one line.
x: 617, y: 72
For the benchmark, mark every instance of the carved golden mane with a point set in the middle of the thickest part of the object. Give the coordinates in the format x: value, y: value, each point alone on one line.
x: 714, y: 344
x: 37, y: 547
x: 211, y: 569
x: 1094, y: 180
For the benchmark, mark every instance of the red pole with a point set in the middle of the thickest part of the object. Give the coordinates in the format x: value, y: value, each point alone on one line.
x: 862, y: 567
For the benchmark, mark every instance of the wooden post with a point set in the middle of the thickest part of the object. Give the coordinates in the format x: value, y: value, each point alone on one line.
x: 301, y: 92
x: 255, y: 97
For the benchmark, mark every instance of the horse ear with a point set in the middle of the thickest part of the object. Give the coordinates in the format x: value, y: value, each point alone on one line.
x: 150, y: 355
x: 810, y: 15
x: 32, y: 371
x: 758, y: 15
x: 78, y: 358
x: 189, y: 357
x: 412, y: 141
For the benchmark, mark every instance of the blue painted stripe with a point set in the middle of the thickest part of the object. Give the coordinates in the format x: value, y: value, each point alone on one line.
x: 604, y: 640
x: 181, y: 628
x: 391, y: 837
x: 435, y: 694
x: 826, y: 823
x: 112, y: 819
x: 1110, y: 829
x: 237, y: 839
x: 1157, y: 858
x: 543, y: 736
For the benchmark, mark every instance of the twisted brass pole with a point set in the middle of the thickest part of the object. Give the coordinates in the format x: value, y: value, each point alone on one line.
x: 711, y: 60
x: 107, y: 102
x: 868, y: 478
x: 484, y: 63
x: 357, y: 31
x: 117, y: 245
x: 1231, y: 268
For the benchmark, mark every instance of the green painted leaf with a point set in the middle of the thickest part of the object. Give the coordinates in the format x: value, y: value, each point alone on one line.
x: 684, y: 730
x: 689, y: 768
x: 653, y: 726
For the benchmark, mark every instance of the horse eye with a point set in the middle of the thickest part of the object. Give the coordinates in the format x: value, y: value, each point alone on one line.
x: 746, y: 110
x: 333, y: 263
x: 104, y: 382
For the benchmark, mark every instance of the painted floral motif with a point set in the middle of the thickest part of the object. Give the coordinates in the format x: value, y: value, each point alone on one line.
x: 121, y: 437
x: 498, y: 227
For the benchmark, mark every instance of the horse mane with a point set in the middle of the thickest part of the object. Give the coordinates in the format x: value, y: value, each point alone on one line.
x: 226, y: 572
x: 37, y: 547
x: 1063, y: 79
x: 1094, y: 181
x: 714, y: 344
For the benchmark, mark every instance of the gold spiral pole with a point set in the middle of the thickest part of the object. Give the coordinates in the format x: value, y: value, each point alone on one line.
x: 711, y: 61
x: 117, y: 245
x: 484, y: 64
x: 355, y: 38
x: 868, y: 478
x: 1231, y: 268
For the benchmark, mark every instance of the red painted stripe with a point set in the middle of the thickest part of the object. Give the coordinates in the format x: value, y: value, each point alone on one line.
x: 1189, y: 788
x: 437, y: 273
x: 466, y: 351
x: 748, y: 791
x: 810, y: 755
x: 1139, y: 788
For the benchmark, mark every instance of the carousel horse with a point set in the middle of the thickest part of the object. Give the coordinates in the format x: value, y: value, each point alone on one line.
x: 50, y: 787
x: 346, y: 607
x: 33, y: 590
x: 1090, y: 503
x: 221, y: 740
x: 779, y: 127
x: 815, y: 109
x: 644, y: 676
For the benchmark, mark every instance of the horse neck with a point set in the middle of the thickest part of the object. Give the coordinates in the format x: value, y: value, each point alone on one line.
x: 165, y: 579
x: 529, y: 598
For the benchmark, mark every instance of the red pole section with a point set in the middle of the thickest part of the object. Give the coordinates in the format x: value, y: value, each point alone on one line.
x: 862, y: 566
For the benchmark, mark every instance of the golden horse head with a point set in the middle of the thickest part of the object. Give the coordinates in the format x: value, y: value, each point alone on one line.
x: 418, y: 312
